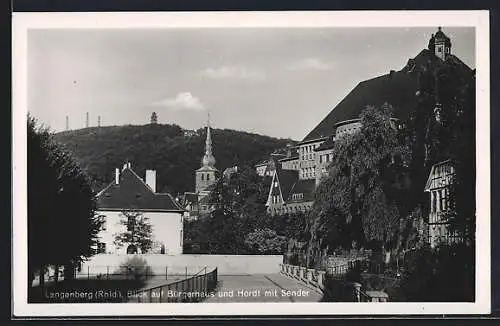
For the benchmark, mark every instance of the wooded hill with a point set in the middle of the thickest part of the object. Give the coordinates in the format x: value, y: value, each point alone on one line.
x: 166, y: 148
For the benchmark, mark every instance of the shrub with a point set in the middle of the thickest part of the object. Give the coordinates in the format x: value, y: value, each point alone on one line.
x: 445, y: 273
x: 137, y: 268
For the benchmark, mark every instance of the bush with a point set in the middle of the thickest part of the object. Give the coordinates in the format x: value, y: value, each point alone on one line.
x: 137, y: 268
x: 445, y: 273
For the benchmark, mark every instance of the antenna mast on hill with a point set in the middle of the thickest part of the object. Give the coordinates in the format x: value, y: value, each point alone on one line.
x: 86, y: 120
x: 67, y: 123
x: 98, y: 121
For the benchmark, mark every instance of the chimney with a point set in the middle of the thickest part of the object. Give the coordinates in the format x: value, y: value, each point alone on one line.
x: 151, y: 179
x: 288, y: 150
x: 117, y: 176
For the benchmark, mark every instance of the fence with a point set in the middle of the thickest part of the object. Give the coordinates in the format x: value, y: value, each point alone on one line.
x: 332, y: 283
x: 192, y: 289
x: 130, y: 272
x: 312, y: 277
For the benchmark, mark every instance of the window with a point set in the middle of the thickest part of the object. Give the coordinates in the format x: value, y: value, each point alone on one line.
x: 275, y: 184
x: 440, y: 49
x: 101, y: 248
x: 202, y: 177
x: 321, y: 159
x: 208, y: 177
x: 443, y: 199
x: 438, y: 201
x: 130, y: 223
x: 433, y: 202
x: 102, y: 219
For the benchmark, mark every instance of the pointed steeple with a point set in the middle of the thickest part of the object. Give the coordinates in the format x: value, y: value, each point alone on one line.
x: 208, y: 158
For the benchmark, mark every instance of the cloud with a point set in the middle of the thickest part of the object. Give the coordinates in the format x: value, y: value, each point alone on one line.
x: 233, y: 72
x: 311, y: 64
x: 183, y: 101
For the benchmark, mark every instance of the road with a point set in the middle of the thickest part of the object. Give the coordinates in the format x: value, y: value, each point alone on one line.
x: 262, y: 288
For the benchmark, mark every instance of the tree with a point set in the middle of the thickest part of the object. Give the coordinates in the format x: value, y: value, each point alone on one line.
x: 266, y: 242
x: 154, y: 118
x: 62, y: 224
x: 363, y: 197
x: 138, y: 232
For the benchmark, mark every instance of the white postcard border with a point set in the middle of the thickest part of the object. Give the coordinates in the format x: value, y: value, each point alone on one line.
x: 22, y: 22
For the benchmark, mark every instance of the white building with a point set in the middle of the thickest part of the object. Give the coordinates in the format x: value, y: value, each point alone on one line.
x: 438, y: 186
x: 129, y: 193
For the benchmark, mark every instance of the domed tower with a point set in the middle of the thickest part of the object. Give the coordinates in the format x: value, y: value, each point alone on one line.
x: 440, y: 44
x: 207, y: 174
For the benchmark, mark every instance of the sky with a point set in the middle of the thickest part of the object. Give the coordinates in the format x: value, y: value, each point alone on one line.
x: 279, y: 82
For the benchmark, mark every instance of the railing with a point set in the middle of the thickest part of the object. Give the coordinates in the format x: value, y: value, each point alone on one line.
x: 103, y: 272
x: 318, y: 280
x: 193, y: 289
x: 308, y: 276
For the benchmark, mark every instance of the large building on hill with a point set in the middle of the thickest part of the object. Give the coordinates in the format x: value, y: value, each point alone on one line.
x: 129, y: 193
x: 295, y: 179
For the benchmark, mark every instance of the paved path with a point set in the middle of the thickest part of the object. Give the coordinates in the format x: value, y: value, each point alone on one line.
x: 262, y: 288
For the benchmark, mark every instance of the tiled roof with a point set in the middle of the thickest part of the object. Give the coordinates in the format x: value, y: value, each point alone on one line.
x: 286, y: 178
x: 190, y: 197
x: 132, y: 193
x: 304, y: 187
x: 398, y: 89
x: 327, y: 144
x: 296, y: 157
x: 207, y: 168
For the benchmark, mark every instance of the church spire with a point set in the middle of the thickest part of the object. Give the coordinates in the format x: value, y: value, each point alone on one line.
x: 208, y: 158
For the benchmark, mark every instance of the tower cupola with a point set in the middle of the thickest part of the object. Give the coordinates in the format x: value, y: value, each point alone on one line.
x: 440, y: 44
x: 208, y: 159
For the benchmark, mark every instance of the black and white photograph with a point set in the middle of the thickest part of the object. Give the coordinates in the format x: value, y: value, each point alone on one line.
x: 299, y: 163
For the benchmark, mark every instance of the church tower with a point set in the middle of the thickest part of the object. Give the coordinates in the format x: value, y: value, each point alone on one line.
x: 207, y: 174
x: 440, y: 44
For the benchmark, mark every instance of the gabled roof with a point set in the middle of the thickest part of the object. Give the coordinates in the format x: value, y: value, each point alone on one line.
x: 304, y: 187
x: 286, y: 179
x: 441, y: 175
x: 190, y: 197
x: 398, y: 89
x: 133, y: 193
x: 296, y: 157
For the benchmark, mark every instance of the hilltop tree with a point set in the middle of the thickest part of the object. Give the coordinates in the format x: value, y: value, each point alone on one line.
x: 62, y: 224
x: 154, y: 118
x: 138, y: 232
